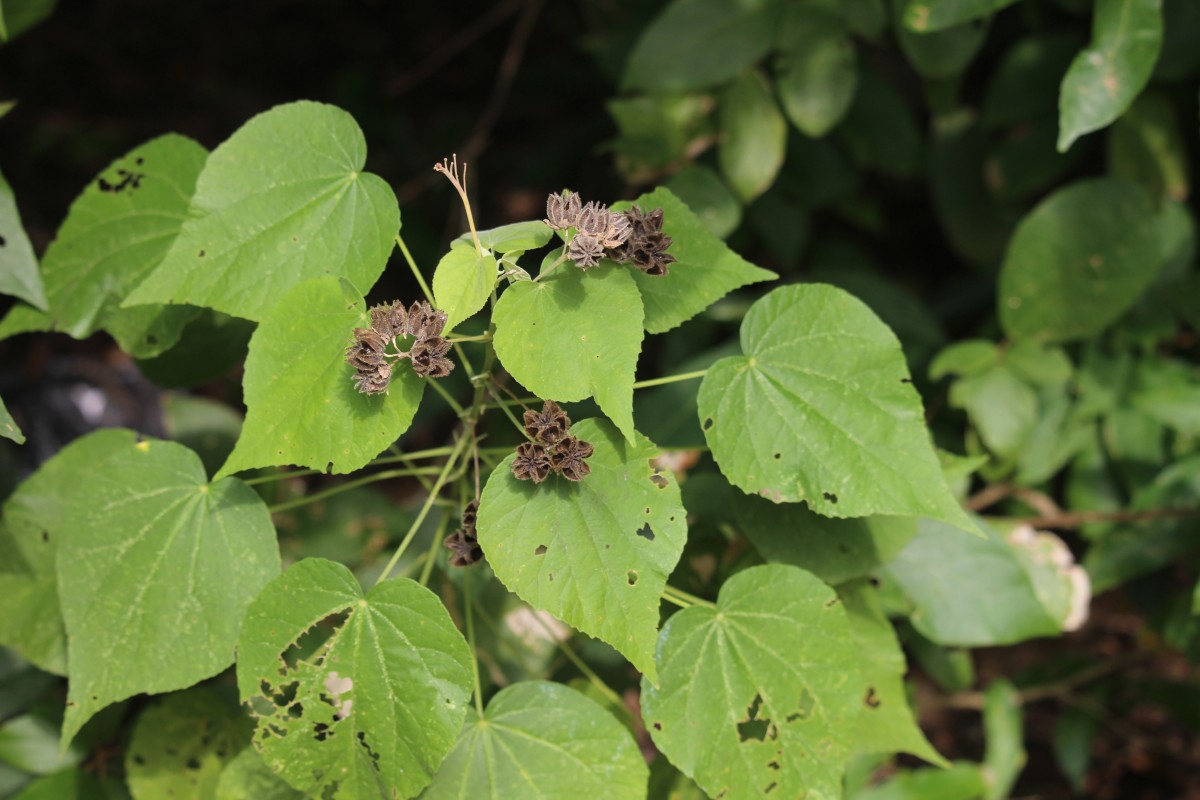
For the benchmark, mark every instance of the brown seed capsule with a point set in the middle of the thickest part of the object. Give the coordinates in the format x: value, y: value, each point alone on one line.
x: 618, y: 231
x: 586, y: 251
x: 428, y: 357
x: 548, y: 425
x: 464, y: 548
x: 569, y: 458
x: 531, y: 463
x: 469, y: 514
x: 593, y: 220
x: 389, y: 321
x: 562, y: 211
x: 373, y: 381
x: 424, y: 321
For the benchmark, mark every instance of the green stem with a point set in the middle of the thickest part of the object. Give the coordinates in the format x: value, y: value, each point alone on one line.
x: 560, y: 260
x: 354, y: 484
x: 483, y: 337
x: 428, y: 504
x: 449, y: 398
x: 683, y: 599
x: 686, y: 376
x: 582, y: 666
x: 431, y: 556
x: 412, y: 265
x: 279, y: 476
x: 513, y: 419
x: 416, y: 455
x: 471, y: 643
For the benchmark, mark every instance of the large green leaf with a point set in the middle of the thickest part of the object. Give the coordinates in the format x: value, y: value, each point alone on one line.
x: 516, y: 237
x: 8, y: 426
x: 574, y: 335
x: 117, y: 231
x: 301, y: 404
x: 761, y: 694
x: 705, y: 270
x: 30, y: 530
x: 886, y: 723
x: 540, y: 739
x: 1079, y: 260
x: 1106, y: 77
x: 19, y: 276
x: 463, y: 282
x: 595, y: 553
x: 373, y: 711
x: 835, y: 550
x: 753, y: 136
x: 181, y: 744
x: 978, y: 592
x: 247, y: 777
x: 941, y: 54
x: 816, y: 71
x: 282, y: 200
x: 1146, y: 146
x: 703, y: 191
x: 697, y: 43
x: 821, y: 409
x: 924, y: 16
x: 156, y: 567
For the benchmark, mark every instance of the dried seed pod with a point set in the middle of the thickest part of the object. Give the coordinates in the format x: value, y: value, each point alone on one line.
x: 548, y: 425
x: 644, y: 222
x: 618, y: 231
x: 469, y: 515
x: 428, y: 357
x: 532, y: 463
x: 373, y: 381
x: 569, y: 458
x: 464, y: 548
x: 389, y: 321
x: 424, y: 321
x: 585, y: 250
x: 562, y: 211
x: 593, y: 220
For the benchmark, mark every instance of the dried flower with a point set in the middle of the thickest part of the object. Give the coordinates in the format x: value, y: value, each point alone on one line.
x: 586, y: 251
x: 424, y: 321
x: 464, y: 542
x: 593, y: 220
x: 428, y: 357
x: 531, y: 463
x: 569, y: 458
x: 646, y: 246
x: 562, y: 211
x: 618, y: 231
x: 389, y: 321
x: 548, y: 425
x: 374, y: 380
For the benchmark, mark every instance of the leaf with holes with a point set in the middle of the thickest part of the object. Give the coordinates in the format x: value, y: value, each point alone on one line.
x: 595, y: 553
x: 179, y: 560
x: 574, y: 335
x: 761, y: 694
x: 19, y: 276
x: 282, y: 201
x: 926, y: 16
x: 181, y: 744
x: 117, y: 231
x: 821, y: 409
x: 705, y: 270
x: 374, y: 710
x: 544, y: 732
x: 463, y: 282
x: 1107, y: 76
x: 30, y: 530
x: 301, y: 404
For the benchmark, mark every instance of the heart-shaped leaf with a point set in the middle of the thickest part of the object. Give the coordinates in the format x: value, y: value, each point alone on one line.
x: 595, y: 553
x: 375, y: 708
x: 462, y: 282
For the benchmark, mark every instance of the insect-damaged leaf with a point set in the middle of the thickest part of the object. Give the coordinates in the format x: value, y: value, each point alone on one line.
x: 595, y: 553
x: 301, y: 404
x: 156, y: 567
x: 375, y: 708
x: 282, y: 201
x: 821, y: 409
x: 762, y: 694
x: 545, y: 732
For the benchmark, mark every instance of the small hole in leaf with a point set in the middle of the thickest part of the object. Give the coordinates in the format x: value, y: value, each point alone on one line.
x: 770, y: 786
x: 708, y: 423
x: 755, y: 727
x: 830, y: 496
x: 550, y: 577
x: 658, y: 726
x: 632, y: 577
x: 139, y: 161
x: 659, y: 481
x: 540, y: 550
x: 3, y: 241
x: 803, y: 708
x: 139, y: 760
x: 45, y: 536
x: 200, y: 254
x: 773, y: 765
x: 321, y: 732
x: 906, y: 380
x: 647, y: 509
x: 193, y: 763
x: 875, y: 581
x: 646, y: 532
x: 872, y: 698
x: 831, y: 602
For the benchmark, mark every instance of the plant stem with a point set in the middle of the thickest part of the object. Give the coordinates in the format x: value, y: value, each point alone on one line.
x: 1056, y: 689
x: 513, y: 419
x: 279, y: 476
x: 686, y: 376
x: 560, y: 260
x: 471, y: 642
x: 582, y: 666
x: 412, y: 265
x: 683, y: 599
x: 431, y: 555
x: 449, y: 398
x: 483, y: 337
x: 428, y: 504
x: 1071, y: 520
x: 354, y: 484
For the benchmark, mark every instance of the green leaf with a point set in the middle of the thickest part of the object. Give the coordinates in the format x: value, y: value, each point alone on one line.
x: 979, y: 592
x: 1074, y: 735
x: 886, y: 723
x: 969, y: 358
x: 301, y: 404
x: 208, y: 427
x: 924, y: 16
x: 705, y: 270
x: 574, y: 335
x: 1106, y: 76
x: 8, y: 426
x: 1078, y: 261
x: 209, y: 346
x: 879, y: 131
x: 1146, y: 146
x: 117, y: 231
x: 375, y: 709
x: 1005, y: 754
x: 1023, y: 86
x: 762, y: 693
x: 941, y: 54
x: 821, y: 409
x: 463, y: 282
x: 697, y: 43
x: 283, y: 200
x: 816, y: 71
x: 551, y: 741
x: 515, y: 238
x: 247, y: 777
x: 1002, y: 408
x: 181, y: 744
x: 18, y: 16
x: 835, y: 550
x: 596, y: 553
x: 19, y: 276
x: 31, y: 528
x: 701, y: 189
x: 179, y: 559
x: 964, y: 780
x: 753, y: 136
